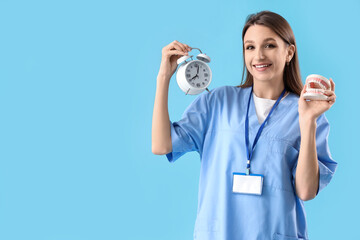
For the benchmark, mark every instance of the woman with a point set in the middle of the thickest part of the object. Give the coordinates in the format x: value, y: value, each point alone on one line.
x: 290, y: 151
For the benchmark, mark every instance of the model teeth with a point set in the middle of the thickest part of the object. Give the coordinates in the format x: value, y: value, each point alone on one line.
x: 316, y: 87
x: 318, y: 83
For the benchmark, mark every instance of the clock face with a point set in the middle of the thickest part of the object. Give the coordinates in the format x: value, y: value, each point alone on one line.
x: 198, y: 74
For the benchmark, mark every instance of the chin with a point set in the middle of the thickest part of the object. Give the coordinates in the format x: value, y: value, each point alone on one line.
x: 262, y: 77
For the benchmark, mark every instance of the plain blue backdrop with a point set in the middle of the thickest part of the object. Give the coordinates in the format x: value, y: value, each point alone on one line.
x: 77, y: 88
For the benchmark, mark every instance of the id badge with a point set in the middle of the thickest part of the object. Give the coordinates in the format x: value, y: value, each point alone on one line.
x: 247, y: 184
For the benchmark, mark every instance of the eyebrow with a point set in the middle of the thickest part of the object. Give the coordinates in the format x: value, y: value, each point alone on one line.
x: 265, y: 40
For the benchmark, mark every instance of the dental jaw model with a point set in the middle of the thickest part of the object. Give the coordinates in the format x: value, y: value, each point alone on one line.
x: 316, y: 86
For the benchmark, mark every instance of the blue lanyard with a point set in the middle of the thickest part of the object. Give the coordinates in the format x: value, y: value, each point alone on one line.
x: 249, y: 153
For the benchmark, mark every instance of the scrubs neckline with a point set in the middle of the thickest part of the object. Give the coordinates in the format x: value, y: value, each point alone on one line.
x: 254, y: 124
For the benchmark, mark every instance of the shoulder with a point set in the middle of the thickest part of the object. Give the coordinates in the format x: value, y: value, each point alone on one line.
x: 225, y: 97
x: 222, y: 90
x: 228, y: 89
x: 225, y: 92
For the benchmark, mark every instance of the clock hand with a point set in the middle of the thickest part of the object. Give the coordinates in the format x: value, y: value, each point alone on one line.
x: 193, y: 77
x: 196, y: 74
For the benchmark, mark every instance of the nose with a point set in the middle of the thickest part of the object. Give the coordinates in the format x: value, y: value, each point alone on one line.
x: 260, y: 53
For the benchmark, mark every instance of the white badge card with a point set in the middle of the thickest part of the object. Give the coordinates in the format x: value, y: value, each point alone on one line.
x: 248, y: 184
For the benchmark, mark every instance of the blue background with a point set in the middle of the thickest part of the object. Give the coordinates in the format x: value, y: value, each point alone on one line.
x: 77, y: 88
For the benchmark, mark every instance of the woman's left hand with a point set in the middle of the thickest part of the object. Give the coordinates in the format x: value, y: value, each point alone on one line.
x: 314, y: 108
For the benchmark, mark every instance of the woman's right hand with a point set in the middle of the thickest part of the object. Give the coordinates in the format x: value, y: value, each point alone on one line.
x: 170, y: 54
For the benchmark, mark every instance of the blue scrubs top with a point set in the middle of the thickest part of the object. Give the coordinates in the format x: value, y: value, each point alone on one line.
x: 214, y: 126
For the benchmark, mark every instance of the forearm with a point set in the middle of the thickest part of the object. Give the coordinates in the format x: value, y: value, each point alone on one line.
x: 161, y: 137
x: 307, y: 171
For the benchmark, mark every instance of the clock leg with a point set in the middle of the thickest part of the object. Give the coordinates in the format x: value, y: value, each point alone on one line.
x: 187, y: 91
x: 207, y: 90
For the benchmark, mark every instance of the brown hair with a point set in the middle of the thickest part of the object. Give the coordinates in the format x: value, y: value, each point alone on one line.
x: 292, y: 77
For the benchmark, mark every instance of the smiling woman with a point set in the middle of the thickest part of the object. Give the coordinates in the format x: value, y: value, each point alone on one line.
x: 248, y: 192
x: 267, y: 34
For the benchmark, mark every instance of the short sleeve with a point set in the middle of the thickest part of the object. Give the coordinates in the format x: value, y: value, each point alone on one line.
x: 327, y: 165
x: 188, y: 133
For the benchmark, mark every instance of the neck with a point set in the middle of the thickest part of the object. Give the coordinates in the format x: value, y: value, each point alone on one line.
x: 268, y: 90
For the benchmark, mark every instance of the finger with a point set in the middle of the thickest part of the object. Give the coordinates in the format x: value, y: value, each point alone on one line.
x: 331, y: 102
x: 180, y: 45
x: 168, y: 51
x: 173, y: 45
x: 184, y: 46
x: 176, y: 46
x: 175, y: 52
x: 332, y: 84
x: 169, y: 46
x: 188, y: 47
x: 332, y: 98
x: 329, y: 93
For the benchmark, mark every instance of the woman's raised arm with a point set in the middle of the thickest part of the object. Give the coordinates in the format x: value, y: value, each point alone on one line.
x: 161, y: 137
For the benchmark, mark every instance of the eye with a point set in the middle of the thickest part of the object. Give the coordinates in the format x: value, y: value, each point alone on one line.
x: 270, y: 45
x: 249, y: 47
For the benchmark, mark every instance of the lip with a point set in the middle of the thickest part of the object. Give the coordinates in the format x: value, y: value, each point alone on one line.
x: 262, y: 68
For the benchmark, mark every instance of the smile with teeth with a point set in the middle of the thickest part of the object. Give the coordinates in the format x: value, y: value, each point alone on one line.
x: 262, y: 66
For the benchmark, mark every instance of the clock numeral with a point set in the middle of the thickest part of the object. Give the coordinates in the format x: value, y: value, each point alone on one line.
x: 198, y: 84
x: 206, y: 75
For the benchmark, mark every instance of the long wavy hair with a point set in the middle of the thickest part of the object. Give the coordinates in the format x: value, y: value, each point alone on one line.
x: 292, y: 77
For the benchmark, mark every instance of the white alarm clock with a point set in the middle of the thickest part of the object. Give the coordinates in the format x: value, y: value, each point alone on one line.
x: 194, y: 76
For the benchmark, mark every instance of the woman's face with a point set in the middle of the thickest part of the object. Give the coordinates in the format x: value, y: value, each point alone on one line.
x: 265, y: 53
